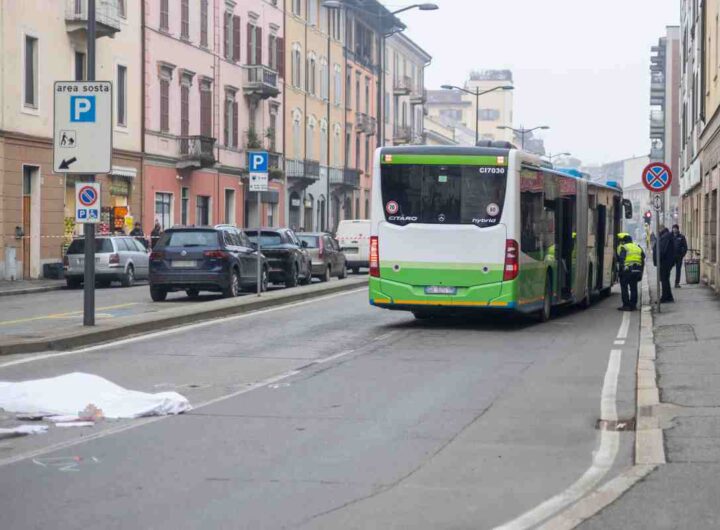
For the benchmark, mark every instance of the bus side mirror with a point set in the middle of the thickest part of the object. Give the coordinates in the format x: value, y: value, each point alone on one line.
x: 627, y: 204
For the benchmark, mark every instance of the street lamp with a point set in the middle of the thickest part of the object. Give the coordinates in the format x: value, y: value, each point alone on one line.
x: 477, y: 93
x: 522, y: 131
x: 557, y: 155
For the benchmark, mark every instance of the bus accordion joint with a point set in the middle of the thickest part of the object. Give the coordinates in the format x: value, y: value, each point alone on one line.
x: 512, y: 258
x: 374, y: 257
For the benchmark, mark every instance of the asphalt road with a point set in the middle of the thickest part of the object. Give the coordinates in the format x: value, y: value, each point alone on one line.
x: 34, y: 315
x: 330, y: 414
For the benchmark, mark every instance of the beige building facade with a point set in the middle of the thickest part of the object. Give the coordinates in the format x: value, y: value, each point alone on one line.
x: 37, y: 206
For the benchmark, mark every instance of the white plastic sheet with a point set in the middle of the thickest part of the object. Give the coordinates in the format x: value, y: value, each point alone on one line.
x: 70, y: 394
x: 23, y: 430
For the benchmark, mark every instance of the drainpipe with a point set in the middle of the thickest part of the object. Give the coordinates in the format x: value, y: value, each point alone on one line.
x: 143, y: 94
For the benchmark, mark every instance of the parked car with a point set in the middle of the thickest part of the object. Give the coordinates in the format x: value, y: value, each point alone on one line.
x: 354, y: 239
x: 117, y: 258
x: 327, y: 258
x: 287, y: 256
x: 194, y: 259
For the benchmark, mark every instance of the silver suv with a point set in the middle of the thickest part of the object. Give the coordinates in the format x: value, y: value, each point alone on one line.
x: 117, y: 258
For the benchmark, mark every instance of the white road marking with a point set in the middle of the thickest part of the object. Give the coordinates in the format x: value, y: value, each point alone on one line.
x: 624, y: 327
x: 171, y: 331
x: 603, y: 457
x: 619, y: 343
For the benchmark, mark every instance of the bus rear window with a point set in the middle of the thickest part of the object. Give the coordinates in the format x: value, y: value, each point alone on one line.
x: 443, y: 194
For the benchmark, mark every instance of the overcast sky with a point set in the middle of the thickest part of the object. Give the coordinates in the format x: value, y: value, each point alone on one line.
x: 580, y: 66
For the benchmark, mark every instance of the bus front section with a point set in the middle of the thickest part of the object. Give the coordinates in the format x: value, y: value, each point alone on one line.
x: 439, y: 241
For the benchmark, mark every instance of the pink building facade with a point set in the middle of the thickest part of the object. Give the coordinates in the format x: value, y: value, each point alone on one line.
x: 211, y: 94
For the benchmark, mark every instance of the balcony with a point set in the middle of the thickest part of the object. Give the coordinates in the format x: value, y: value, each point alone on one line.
x: 196, y: 152
x: 402, y: 85
x: 304, y: 171
x: 365, y: 123
x: 107, y: 17
x: 312, y: 169
x: 346, y: 177
x: 261, y: 82
x: 402, y: 135
x: 275, y: 166
x: 418, y: 97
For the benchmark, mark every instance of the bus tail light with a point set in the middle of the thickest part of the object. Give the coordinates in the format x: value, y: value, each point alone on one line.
x: 374, y: 257
x: 512, y: 260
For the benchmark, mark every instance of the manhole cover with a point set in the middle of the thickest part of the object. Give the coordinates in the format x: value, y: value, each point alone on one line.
x: 676, y: 333
x: 616, y: 426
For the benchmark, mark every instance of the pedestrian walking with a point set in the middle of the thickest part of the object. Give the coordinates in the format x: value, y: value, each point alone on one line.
x: 137, y: 233
x: 665, y: 262
x: 155, y: 234
x: 681, y: 249
x: 631, y: 266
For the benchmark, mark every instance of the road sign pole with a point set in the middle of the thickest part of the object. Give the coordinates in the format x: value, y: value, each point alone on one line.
x: 259, y: 246
x: 657, y: 260
x: 89, y: 228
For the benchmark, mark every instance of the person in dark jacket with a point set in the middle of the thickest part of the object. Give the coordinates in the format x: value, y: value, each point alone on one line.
x: 665, y: 262
x: 681, y: 249
x: 138, y: 233
x: 155, y: 234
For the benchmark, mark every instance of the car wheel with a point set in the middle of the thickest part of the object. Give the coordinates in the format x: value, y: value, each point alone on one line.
x: 292, y: 278
x: 129, y: 279
x: 343, y: 272
x: 73, y: 283
x: 158, y: 294
x: 192, y: 293
x: 308, y: 275
x: 264, y: 280
x: 233, y: 289
x: 326, y: 277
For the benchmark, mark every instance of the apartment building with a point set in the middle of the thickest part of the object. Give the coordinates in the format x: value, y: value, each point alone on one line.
x: 42, y: 42
x: 405, y: 93
x: 491, y: 110
x: 212, y: 92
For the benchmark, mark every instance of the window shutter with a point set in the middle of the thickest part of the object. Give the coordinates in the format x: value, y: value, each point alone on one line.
x: 205, y: 110
x: 236, y: 124
x: 258, y: 45
x: 226, y: 127
x: 280, y: 43
x: 228, y: 17
x: 236, y: 38
x: 250, y: 33
x: 270, y: 53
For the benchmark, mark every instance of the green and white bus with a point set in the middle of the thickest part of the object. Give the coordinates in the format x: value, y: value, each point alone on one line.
x: 487, y: 228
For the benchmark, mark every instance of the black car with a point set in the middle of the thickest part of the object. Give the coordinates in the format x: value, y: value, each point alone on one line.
x: 288, y: 260
x: 195, y: 259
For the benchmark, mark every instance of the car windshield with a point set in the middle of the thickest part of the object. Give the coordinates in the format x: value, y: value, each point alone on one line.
x: 187, y: 238
x: 102, y: 245
x: 312, y: 241
x: 267, y: 239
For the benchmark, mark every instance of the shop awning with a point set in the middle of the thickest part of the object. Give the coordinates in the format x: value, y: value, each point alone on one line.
x: 122, y: 171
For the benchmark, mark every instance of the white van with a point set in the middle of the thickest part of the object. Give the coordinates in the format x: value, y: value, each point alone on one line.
x: 354, y: 239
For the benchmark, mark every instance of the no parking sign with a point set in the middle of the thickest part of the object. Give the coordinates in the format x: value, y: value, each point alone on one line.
x: 87, y: 202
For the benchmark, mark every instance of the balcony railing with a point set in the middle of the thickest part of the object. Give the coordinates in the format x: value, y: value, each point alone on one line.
x: 402, y: 135
x: 312, y: 169
x: 308, y: 170
x: 418, y: 96
x: 365, y: 123
x: 107, y: 16
x: 402, y: 85
x: 295, y: 168
x: 196, y: 151
x: 260, y: 81
x: 345, y: 177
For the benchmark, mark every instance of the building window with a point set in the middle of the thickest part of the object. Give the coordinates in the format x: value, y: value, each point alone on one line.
x: 310, y: 142
x: 31, y: 70
x: 231, y: 119
x: 312, y: 12
x: 336, y: 147
x: 202, y: 212
x: 185, y: 108
x: 229, y: 207
x: 297, y: 7
x: 232, y: 37
x: 348, y: 145
x: 164, y: 15
x: 272, y: 139
x: 184, y: 203
x: 204, y: 23
x: 79, y: 66
x: 296, y: 137
x: 338, y: 85
x: 324, y: 79
x: 488, y: 115
x: 348, y: 88
x: 367, y: 95
x: 206, y: 108
x: 185, y: 19
x: 122, y: 95
x: 164, y: 105
x: 357, y: 91
x: 324, y: 143
x: 311, y: 74
x: 272, y: 52
x: 357, y: 152
x: 367, y: 155
x: 387, y: 107
x: 254, y: 44
x: 296, y: 66
x: 122, y: 10
x: 163, y: 209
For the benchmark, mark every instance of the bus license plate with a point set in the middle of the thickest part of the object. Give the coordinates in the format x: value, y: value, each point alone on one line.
x: 439, y: 289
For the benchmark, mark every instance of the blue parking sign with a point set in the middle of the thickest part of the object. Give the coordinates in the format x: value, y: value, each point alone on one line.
x: 258, y: 161
x: 82, y: 109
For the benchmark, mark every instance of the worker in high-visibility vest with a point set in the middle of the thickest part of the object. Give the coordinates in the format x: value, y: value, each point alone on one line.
x: 631, y: 265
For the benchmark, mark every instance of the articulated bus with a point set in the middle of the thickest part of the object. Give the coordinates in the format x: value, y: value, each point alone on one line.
x: 456, y: 229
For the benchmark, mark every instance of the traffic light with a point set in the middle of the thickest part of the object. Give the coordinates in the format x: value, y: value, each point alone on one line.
x: 647, y: 217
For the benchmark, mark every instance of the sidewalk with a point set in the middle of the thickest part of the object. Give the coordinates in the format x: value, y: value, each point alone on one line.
x: 685, y: 492
x: 9, y: 288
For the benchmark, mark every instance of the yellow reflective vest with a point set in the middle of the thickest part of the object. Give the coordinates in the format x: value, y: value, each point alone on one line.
x: 633, y: 254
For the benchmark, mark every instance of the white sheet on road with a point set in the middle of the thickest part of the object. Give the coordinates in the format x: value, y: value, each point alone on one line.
x: 70, y: 394
x: 23, y: 430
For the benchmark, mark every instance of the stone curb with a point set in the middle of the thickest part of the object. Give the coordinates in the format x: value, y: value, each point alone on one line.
x: 139, y: 324
x: 32, y: 290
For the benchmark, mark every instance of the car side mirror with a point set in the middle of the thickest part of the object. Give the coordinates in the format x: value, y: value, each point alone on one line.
x: 253, y: 245
x: 304, y: 244
x: 627, y: 204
